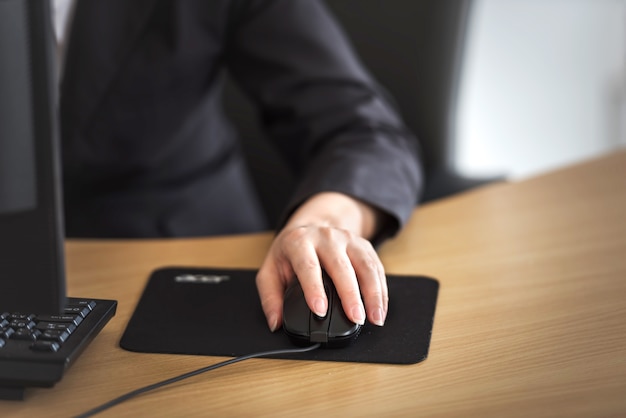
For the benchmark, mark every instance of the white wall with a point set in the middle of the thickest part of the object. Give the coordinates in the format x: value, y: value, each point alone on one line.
x: 543, y: 85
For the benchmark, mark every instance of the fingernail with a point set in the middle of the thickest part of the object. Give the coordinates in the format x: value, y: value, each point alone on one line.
x: 358, y: 315
x: 319, y: 305
x: 378, y: 317
x: 272, y: 322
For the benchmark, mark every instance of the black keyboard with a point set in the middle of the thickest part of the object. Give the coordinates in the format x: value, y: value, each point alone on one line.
x: 36, y: 349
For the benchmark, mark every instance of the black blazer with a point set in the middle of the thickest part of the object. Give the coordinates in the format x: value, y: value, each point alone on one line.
x: 147, y: 150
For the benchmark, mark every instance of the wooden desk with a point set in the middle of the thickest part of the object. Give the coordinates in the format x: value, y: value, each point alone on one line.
x: 531, y: 319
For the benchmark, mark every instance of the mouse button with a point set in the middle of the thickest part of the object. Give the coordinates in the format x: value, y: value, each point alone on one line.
x: 296, y: 312
x: 318, y: 325
x: 340, y: 326
x: 331, y: 296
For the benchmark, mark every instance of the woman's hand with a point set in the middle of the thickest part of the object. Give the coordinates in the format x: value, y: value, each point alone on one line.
x: 329, y: 231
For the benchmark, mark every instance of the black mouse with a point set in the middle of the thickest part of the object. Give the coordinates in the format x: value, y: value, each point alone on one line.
x: 303, y: 327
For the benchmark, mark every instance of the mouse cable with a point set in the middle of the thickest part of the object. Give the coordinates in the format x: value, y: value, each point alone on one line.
x: 166, y: 382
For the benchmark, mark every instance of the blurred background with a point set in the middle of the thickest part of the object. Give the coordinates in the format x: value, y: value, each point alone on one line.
x: 543, y: 85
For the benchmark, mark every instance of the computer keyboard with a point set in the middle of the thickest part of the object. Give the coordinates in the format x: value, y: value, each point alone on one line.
x: 36, y: 349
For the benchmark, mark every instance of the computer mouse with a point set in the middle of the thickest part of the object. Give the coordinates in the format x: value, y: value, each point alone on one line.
x: 304, y: 327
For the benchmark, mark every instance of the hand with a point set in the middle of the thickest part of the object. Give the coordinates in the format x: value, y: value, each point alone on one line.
x: 328, y: 231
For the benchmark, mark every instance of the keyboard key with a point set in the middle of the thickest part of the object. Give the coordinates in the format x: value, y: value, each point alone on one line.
x: 44, y: 326
x: 6, y: 333
x: 49, y: 346
x: 87, y: 303
x: 25, y: 334
x: 22, y: 323
x: 55, y: 335
x: 74, y: 319
x: 77, y: 310
x: 23, y: 317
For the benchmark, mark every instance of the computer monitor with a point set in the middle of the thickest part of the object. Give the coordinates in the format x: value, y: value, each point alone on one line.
x: 32, y: 271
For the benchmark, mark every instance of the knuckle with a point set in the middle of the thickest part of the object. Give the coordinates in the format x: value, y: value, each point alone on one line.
x: 342, y: 264
x: 370, y: 264
x: 335, y: 234
x: 375, y: 297
x: 385, y: 299
x: 352, y: 294
x: 297, y: 235
x: 307, y: 266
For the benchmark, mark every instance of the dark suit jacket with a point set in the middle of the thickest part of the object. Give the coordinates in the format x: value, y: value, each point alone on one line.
x: 147, y: 150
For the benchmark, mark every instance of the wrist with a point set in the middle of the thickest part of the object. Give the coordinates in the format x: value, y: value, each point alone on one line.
x: 337, y: 210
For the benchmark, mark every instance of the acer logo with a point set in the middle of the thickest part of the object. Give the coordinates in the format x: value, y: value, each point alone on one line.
x: 201, y: 278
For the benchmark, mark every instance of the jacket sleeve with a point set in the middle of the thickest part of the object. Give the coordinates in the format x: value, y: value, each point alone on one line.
x: 331, y: 121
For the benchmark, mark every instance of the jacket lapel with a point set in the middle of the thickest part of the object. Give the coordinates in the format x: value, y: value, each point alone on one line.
x: 102, y: 36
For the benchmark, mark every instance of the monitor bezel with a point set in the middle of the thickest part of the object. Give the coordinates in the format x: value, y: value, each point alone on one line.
x: 32, y: 257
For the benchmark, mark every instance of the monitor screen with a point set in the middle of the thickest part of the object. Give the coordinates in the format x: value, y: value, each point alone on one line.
x: 17, y: 153
x: 32, y: 273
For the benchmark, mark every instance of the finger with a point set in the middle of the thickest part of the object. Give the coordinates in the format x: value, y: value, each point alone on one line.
x: 303, y: 258
x: 271, y: 286
x: 338, y: 265
x: 372, y: 281
x: 348, y: 290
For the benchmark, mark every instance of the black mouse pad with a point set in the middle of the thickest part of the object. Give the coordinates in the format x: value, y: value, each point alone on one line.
x: 217, y: 312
